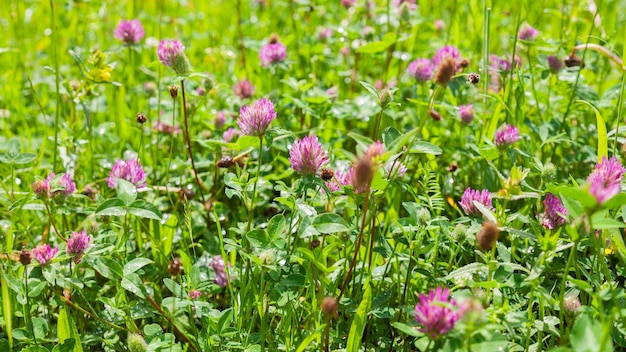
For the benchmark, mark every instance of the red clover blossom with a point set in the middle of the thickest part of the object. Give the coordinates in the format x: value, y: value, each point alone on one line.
x: 307, y: 156
x: 256, y: 118
x: 44, y: 254
x: 129, y: 32
x: 471, y: 195
x: 129, y: 170
x: 436, y: 312
x: 605, y: 180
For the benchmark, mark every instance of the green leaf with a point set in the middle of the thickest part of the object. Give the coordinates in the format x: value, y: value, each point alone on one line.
x: 389, y: 135
x: 143, y: 209
x: 126, y: 191
x: 426, y: 148
x: 7, y: 309
x: 330, y: 223
x: 407, y: 329
x: 135, y: 265
x: 378, y: 46
x: 14, y: 148
x: 360, y: 319
x: 132, y: 283
x: 603, y: 149
x: 108, y: 268
x: 587, y: 336
x: 65, y: 346
x: 67, y: 330
x: 276, y: 226
x: 245, y: 142
x: 24, y: 158
x: 467, y: 269
x: 370, y: 88
x: 111, y: 207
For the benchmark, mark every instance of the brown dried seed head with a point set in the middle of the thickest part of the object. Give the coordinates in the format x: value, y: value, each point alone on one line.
x: 315, y: 243
x: 453, y: 167
x: 141, y: 118
x: 363, y: 174
x: 226, y: 162
x: 274, y: 38
x: 445, y: 71
x: 329, y: 306
x: 327, y: 174
x: 574, y: 60
x: 25, y: 256
x: 473, y: 78
x: 464, y: 63
x: 175, y: 267
x: 173, y: 91
x: 487, y: 236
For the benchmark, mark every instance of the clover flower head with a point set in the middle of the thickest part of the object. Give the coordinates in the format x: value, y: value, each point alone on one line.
x: 129, y: 32
x: 436, y: 313
x: 471, y: 195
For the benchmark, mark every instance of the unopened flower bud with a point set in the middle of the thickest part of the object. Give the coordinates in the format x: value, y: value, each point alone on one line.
x: 435, y: 115
x: 384, y: 98
x: 464, y: 63
x: 571, y: 304
x: 136, y: 343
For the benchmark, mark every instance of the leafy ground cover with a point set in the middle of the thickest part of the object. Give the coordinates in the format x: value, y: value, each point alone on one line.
x: 292, y: 175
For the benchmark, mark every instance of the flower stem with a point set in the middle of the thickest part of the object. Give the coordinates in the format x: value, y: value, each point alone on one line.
x: 256, y: 181
x: 188, y: 141
x: 55, y: 42
x: 356, y: 246
x: 52, y: 223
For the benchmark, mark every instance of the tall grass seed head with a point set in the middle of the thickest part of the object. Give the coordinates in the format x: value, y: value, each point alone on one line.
x: 487, y: 236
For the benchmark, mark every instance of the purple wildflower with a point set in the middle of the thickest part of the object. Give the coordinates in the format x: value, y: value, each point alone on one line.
x: 54, y: 186
x: 243, y: 89
x: 375, y: 150
x: 396, y: 169
x: 555, y: 64
x: 340, y: 179
x: 466, y: 113
x: 42, y: 187
x: 325, y: 34
x: 68, y: 184
x: 129, y: 170
x: 256, y: 118
x: 272, y: 52
x: 503, y: 65
x: 44, y: 254
x: 77, y: 244
x: 307, y: 156
x: 528, y: 33
x: 217, y: 264
x: 421, y: 70
x: 193, y: 294
x: 447, y: 51
x: 440, y: 25
x: 348, y: 3
x: 172, y: 54
x: 605, y: 180
x: 411, y: 4
x: 129, y: 32
x: 436, y: 312
x: 471, y: 195
x: 229, y: 134
x: 506, y: 136
x: 220, y: 119
x: 555, y: 214
x: 162, y: 127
